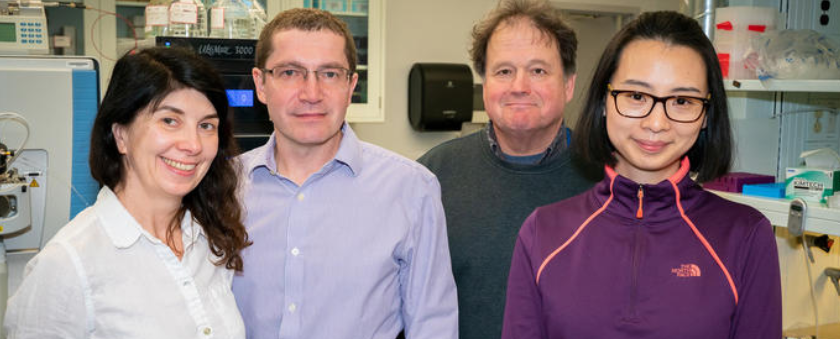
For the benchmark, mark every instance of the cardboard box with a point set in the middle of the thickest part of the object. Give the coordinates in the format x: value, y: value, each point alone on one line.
x: 811, y: 184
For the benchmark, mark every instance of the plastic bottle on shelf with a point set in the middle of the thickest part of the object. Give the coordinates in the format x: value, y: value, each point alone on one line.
x: 230, y: 19
x: 258, y: 15
x: 157, y: 19
x: 187, y: 18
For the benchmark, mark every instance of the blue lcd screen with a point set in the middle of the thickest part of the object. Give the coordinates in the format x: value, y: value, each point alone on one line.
x: 240, y: 97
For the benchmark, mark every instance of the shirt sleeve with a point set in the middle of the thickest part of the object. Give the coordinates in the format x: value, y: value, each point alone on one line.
x: 759, y: 311
x: 50, y: 300
x: 523, y: 310
x: 430, y: 302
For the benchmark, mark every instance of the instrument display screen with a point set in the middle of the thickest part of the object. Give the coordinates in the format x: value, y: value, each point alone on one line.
x: 7, y: 32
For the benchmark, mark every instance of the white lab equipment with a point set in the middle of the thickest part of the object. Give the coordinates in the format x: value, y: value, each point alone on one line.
x: 15, y: 214
x: 58, y: 97
x: 23, y: 28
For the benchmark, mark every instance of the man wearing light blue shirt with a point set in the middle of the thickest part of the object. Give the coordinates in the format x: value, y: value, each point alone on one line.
x: 349, y: 238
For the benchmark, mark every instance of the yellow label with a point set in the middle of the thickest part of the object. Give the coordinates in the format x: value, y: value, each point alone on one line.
x: 34, y: 183
x: 1, y: 228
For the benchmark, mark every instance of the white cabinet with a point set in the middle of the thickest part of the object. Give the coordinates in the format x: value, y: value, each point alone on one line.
x: 366, y: 25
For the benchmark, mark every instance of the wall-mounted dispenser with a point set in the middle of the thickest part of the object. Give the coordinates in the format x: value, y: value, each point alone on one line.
x: 440, y: 96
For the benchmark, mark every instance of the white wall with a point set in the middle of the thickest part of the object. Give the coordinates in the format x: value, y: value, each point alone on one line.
x: 418, y: 31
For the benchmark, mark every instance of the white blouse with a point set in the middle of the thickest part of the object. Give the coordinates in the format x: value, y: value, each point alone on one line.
x: 104, y: 276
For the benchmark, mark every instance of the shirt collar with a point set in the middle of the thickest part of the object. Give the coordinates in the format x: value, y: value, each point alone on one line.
x: 557, y: 146
x: 349, y: 153
x: 123, y: 229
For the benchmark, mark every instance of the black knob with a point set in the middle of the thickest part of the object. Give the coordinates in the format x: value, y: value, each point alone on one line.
x: 824, y: 242
x: 824, y: 19
x: 825, y: 5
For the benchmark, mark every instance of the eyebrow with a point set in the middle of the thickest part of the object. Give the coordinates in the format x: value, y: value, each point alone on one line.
x: 298, y: 65
x: 179, y: 111
x: 648, y: 86
x: 530, y: 63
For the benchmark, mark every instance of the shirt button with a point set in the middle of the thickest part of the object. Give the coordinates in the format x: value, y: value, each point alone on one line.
x: 300, y: 197
x: 207, y: 331
x: 186, y: 283
x: 292, y: 307
x: 295, y: 251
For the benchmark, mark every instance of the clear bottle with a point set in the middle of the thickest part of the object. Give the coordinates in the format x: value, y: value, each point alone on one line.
x: 157, y: 19
x: 258, y: 15
x: 230, y: 19
x: 187, y: 18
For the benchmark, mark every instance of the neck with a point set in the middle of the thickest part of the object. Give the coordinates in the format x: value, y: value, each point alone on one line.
x: 154, y: 214
x: 527, y: 142
x: 642, y: 176
x: 298, y: 162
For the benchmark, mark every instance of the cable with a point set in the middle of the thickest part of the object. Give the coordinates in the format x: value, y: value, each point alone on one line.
x: 23, y: 122
x: 95, y: 22
x: 61, y: 180
x: 811, y: 285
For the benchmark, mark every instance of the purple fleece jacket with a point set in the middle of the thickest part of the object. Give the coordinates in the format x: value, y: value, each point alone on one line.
x: 625, y: 260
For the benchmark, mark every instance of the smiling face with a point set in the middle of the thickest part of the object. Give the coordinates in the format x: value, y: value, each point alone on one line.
x: 309, y: 114
x: 525, y: 91
x: 649, y: 149
x: 166, y: 152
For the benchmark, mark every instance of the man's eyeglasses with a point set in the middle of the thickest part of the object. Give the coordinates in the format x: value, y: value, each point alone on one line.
x: 678, y: 108
x: 293, y: 75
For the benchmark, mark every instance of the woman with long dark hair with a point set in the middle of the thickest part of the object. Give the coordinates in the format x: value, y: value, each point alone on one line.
x: 647, y: 253
x: 154, y: 257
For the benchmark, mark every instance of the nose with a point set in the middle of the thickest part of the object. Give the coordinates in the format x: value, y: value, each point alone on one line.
x: 310, y: 92
x: 190, y: 142
x: 657, y: 120
x: 521, y: 83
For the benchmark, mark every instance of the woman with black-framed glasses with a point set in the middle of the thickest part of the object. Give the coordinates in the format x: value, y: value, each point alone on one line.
x: 647, y: 253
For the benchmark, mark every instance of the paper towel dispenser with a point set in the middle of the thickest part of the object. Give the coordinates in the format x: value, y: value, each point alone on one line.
x: 440, y: 96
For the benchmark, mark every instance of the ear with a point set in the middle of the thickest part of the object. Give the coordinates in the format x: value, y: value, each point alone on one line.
x: 484, y: 92
x: 570, y: 87
x: 120, y: 137
x: 259, y: 83
x: 705, y: 121
x: 353, y: 81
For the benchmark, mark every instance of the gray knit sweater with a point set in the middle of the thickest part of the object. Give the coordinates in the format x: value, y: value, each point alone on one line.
x: 486, y: 199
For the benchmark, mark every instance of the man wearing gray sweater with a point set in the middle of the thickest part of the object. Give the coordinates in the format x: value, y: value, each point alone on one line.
x: 493, y: 179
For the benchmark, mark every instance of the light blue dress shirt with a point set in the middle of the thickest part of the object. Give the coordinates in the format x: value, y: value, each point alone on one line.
x: 358, y: 251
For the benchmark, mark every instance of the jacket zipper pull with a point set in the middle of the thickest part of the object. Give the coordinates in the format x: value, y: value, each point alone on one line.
x: 641, y: 195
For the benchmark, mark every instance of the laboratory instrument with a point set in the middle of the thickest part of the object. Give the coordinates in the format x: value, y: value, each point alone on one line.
x: 234, y: 59
x: 23, y: 28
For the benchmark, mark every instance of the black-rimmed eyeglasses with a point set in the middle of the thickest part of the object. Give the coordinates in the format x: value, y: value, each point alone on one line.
x: 678, y: 108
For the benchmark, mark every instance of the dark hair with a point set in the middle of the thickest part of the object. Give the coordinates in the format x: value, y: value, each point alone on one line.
x: 541, y: 14
x: 711, y: 154
x: 138, y: 84
x: 309, y: 20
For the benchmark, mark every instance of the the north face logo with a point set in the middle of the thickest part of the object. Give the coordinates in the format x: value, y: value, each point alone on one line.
x: 686, y: 270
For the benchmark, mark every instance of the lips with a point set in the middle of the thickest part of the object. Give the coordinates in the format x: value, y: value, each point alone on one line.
x: 520, y: 104
x: 178, y: 165
x: 651, y: 146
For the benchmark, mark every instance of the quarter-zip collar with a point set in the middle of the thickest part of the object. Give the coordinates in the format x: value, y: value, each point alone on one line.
x: 650, y: 203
